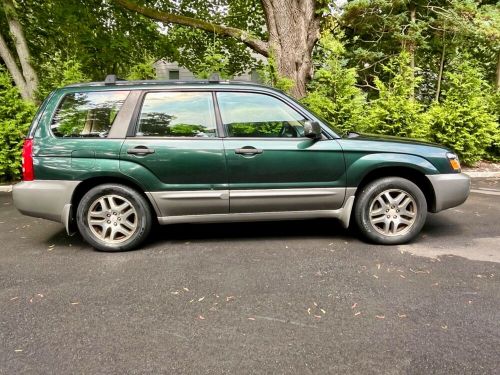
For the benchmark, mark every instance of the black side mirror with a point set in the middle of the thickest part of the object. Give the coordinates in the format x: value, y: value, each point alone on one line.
x: 312, y: 129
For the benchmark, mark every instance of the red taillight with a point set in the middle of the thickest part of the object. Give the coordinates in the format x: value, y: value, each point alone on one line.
x: 28, y: 171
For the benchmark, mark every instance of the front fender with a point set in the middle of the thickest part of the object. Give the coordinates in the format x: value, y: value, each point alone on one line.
x: 358, y: 168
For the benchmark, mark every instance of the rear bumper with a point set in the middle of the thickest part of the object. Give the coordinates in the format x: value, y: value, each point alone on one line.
x: 46, y: 199
x: 450, y: 190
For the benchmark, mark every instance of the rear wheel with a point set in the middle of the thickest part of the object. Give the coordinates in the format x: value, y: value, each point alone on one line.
x: 113, y: 217
x: 390, y: 211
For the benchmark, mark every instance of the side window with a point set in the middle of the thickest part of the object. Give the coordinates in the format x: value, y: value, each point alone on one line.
x: 177, y: 114
x: 258, y: 115
x: 87, y: 114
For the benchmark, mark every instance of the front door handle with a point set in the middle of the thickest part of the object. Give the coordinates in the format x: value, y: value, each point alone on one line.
x: 248, y: 150
x: 140, y: 150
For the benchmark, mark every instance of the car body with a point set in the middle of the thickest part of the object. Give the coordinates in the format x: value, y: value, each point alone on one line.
x: 193, y: 152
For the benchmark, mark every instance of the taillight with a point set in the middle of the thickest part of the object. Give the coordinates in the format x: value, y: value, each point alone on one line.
x: 28, y: 171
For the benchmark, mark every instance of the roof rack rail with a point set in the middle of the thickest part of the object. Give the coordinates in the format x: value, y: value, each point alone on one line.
x: 111, y: 79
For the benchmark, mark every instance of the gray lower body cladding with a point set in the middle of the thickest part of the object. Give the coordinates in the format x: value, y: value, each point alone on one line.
x: 450, y: 190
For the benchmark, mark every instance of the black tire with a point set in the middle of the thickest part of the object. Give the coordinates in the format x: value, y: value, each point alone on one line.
x: 388, y: 224
x: 139, y: 220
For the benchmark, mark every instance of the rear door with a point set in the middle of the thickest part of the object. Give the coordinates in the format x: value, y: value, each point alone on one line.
x: 271, y: 165
x: 175, y: 149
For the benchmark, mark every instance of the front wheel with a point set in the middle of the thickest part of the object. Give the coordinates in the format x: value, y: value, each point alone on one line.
x: 113, y: 217
x: 390, y: 211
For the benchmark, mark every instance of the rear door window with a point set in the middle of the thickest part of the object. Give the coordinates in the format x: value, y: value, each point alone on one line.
x: 87, y: 114
x: 177, y: 114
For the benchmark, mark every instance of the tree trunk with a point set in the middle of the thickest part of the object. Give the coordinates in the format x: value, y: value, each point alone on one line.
x: 412, y: 47
x: 294, y: 29
x: 498, y: 73
x: 441, y: 68
x: 23, y: 53
x: 13, y: 69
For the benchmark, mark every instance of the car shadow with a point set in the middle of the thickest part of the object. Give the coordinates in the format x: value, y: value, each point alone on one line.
x: 321, y: 228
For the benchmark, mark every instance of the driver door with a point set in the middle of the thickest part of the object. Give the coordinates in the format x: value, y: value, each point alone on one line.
x: 271, y: 165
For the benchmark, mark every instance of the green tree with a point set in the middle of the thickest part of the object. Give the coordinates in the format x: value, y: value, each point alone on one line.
x: 396, y: 111
x: 15, y: 117
x: 333, y: 92
x: 465, y: 119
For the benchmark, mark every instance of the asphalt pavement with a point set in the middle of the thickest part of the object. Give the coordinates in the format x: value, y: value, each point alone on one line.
x: 296, y: 297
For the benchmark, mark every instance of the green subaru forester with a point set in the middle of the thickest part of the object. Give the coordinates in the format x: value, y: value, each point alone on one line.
x: 111, y: 158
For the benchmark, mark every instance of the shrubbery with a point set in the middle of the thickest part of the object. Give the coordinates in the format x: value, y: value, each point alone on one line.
x: 15, y: 117
x: 465, y: 120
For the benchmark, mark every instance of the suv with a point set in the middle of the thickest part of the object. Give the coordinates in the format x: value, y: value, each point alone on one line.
x: 114, y: 157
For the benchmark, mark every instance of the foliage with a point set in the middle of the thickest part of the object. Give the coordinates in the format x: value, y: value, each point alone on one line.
x: 333, y: 92
x: 58, y: 72
x: 396, y: 111
x: 15, y: 115
x: 465, y: 120
x: 270, y: 76
x: 142, y: 70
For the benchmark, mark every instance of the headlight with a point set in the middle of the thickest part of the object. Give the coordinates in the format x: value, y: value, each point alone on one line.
x: 454, y: 162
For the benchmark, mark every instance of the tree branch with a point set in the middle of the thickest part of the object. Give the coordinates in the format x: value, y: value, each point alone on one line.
x: 254, y: 43
x: 13, y: 69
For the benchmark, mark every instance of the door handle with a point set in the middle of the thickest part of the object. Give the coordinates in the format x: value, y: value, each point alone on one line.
x: 248, y: 150
x: 140, y: 150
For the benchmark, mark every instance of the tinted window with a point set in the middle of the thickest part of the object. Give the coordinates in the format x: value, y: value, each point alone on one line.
x: 87, y: 114
x: 258, y: 115
x: 177, y: 114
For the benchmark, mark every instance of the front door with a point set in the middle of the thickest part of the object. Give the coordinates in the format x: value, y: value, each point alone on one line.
x: 175, y: 149
x: 271, y: 165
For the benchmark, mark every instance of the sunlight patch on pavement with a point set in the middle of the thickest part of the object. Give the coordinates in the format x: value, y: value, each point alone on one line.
x: 482, y: 249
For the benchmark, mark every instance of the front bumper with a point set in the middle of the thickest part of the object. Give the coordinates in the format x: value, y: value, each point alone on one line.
x: 46, y: 199
x: 450, y: 190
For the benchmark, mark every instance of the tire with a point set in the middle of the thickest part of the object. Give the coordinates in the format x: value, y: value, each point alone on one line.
x: 113, y: 217
x: 390, y: 211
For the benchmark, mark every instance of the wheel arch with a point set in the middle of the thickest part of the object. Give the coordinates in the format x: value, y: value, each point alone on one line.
x: 91, y: 182
x: 411, y: 174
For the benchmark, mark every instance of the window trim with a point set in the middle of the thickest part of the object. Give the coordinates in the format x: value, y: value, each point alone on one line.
x: 61, y: 100
x: 134, y: 123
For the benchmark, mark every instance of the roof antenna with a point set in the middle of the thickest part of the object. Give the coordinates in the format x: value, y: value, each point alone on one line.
x: 214, y: 78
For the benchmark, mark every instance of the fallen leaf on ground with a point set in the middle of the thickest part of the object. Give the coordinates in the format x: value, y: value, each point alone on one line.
x: 402, y: 276
x: 18, y: 350
x: 201, y: 317
x: 13, y: 298
x: 380, y: 316
x: 359, y: 312
x: 251, y: 318
x: 402, y: 315
x: 186, y: 289
x: 444, y: 327
x: 323, y: 311
x: 354, y: 306
x: 230, y: 298
x: 75, y: 303
x: 201, y: 299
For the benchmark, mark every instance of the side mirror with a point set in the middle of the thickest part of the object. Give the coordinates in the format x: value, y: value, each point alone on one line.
x: 312, y: 129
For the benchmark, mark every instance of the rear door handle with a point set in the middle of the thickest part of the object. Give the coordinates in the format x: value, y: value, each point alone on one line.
x: 140, y: 150
x: 248, y: 150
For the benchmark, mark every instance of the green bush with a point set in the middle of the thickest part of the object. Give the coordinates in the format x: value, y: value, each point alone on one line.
x: 15, y: 117
x: 59, y: 72
x: 396, y: 112
x: 465, y: 120
x: 333, y: 93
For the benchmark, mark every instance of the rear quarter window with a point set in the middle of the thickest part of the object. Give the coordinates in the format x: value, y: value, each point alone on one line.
x: 87, y: 114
